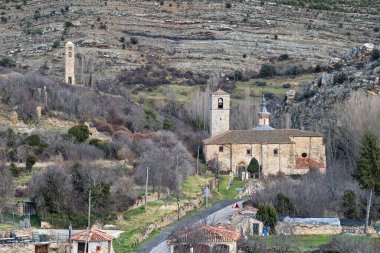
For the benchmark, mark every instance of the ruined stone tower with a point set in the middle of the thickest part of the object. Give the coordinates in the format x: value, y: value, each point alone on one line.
x: 70, y: 63
x: 219, y: 112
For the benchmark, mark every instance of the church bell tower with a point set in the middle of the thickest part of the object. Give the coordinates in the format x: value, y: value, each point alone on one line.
x: 70, y: 63
x: 219, y: 112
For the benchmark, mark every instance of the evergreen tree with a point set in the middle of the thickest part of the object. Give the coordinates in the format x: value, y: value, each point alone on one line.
x: 253, y: 166
x: 367, y: 172
x: 268, y: 215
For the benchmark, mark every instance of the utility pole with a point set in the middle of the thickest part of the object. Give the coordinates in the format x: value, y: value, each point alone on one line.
x: 217, y: 170
x: 146, y: 186
x: 88, y: 221
x: 176, y: 166
x: 198, y: 160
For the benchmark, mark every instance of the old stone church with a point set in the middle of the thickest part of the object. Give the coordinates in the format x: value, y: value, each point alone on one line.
x: 288, y: 151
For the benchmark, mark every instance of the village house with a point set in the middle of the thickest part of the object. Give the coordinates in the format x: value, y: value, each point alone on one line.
x: 287, y: 151
x: 98, y: 242
x: 205, y: 239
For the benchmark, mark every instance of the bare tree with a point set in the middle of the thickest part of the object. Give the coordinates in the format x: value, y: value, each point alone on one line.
x: 6, y: 187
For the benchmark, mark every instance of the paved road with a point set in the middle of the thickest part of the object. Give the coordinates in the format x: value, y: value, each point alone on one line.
x: 219, y: 212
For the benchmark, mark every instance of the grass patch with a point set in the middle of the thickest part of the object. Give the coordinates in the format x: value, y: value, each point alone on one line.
x: 12, y: 223
x: 225, y: 192
x: 25, y: 177
x: 136, y: 221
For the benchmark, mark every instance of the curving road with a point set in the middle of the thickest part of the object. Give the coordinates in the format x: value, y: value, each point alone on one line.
x: 219, y: 212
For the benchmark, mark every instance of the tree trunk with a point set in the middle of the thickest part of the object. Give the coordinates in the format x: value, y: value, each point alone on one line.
x: 369, y: 201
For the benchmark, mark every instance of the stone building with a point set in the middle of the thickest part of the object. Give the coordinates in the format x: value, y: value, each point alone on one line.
x: 288, y: 151
x: 70, y: 63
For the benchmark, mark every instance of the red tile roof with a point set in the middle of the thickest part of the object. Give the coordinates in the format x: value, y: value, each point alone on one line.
x: 307, y: 163
x: 95, y: 235
x: 204, y: 234
x: 219, y: 92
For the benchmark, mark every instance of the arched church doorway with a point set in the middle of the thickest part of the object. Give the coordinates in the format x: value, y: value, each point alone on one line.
x: 241, y: 167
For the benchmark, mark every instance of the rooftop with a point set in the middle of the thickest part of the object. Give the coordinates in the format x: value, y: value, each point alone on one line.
x: 206, y: 233
x: 95, y: 235
x: 219, y: 92
x: 275, y: 136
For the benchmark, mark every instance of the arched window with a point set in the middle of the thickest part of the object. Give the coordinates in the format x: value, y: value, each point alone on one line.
x: 70, y: 81
x: 220, y: 103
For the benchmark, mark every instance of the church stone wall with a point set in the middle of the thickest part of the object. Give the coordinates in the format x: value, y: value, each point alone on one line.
x: 312, y: 146
x: 283, y: 162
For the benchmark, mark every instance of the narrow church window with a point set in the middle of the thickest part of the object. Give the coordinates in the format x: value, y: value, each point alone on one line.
x: 304, y: 154
x: 248, y: 151
x: 70, y: 80
x: 220, y: 103
x: 221, y: 148
x: 275, y: 151
x: 70, y: 54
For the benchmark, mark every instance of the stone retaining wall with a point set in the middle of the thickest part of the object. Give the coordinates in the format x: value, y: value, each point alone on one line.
x: 284, y: 228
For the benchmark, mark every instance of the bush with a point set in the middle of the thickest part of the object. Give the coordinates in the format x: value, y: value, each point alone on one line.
x: 375, y: 54
x: 340, y: 78
x: 134, y: 40
x: 168, y: 124
x: 253, y: 166
x: 14, y: 170
x: 7, y: 62
x: 260, y: 84
x: 79, y: 132
x: 349, y: 205
x: 284, y: 206
x: 267, y: 70
x: 268, y: 215
x: 97, y: 143
x: 68, y: 24
x: 228, y: 5
x: 283, y: 57
x: 286, y: 85
x: 33, y: 140
x: 238, y: 75
x: 56, y: 44
x: 376, y: 29
x: 30, y: 161
x: 318, y: 68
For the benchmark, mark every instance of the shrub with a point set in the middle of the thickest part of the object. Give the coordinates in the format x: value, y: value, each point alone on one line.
x: 318, y: 68
x: 340, y: 78
x: 168, y: 124
x: 253, y: 166
x: 30, y: 161
x: 283, y: 57
x: 122, y: 39
x: 33, y: 140
x: 103, y: 26
x: 375, y: 54
x: 56, y: 44
x: 267, y: 70
x: 97, y: 143
x: 68, y: 24
x: 376, y: 29
x: 162, y: 2
x: 284, y: 206
x: 260, y: 84
x: 134, y: 40
x: 228, y: 5
x: 349, y: 205
x: 268, y: 215
x: 286, y: 85
x: 238, y: 75
x: 7, y: 62
x: 14, y: 170
x: 79, y: 132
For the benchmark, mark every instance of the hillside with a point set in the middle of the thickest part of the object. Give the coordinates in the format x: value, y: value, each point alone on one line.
x: 200, y: 36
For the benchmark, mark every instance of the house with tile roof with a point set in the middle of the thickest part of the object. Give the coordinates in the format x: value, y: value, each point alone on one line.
x: 205, y: 239
x: 97, y: 241
x: 286, y: 151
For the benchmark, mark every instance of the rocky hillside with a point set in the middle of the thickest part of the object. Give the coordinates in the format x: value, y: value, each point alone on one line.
x: 356, y: 70
x: 200, y: 36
